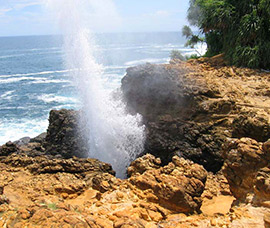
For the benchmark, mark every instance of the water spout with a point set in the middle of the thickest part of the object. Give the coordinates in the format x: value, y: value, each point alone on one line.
x: 113, y: 135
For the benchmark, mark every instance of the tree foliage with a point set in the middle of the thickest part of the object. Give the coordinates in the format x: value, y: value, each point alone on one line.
x: 192, y: 39
x: 238, y: 28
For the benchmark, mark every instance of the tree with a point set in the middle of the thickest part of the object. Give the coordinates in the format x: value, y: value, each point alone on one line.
x: 192, y: 39
x: 238, y: 28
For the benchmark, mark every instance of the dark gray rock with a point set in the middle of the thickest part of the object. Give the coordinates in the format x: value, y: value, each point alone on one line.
x: 22, y: 141
x: 177, y: 113
x: 39, y: 139
x: 8, y: 148
x: 64, y: 136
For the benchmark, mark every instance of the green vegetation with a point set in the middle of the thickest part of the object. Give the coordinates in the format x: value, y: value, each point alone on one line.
x: 238, y: 28
x: 175, y: 54
x: 192, y: 40
x: 52, y: 206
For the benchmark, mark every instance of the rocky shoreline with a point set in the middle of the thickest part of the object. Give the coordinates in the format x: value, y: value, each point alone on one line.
x: 205, y: 164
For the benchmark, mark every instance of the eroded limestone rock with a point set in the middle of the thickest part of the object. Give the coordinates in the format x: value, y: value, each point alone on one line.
x: 178, y: 185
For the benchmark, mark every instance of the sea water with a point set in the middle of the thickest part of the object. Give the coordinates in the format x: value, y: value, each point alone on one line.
x: 34, y: 79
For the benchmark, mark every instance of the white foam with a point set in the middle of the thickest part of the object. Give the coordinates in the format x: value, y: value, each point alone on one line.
x: 7, y: 94
x: 37, y: 73
x: 48, y: 81
x: 12, y: 80
x: 11, y: 56
x: 149, y: 60
x: 50, y: 98
x: 11, y: 130
x: 43, y: 49
x: 115, y: 67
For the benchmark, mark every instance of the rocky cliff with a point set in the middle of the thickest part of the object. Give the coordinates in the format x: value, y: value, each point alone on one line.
x: 191, y: 108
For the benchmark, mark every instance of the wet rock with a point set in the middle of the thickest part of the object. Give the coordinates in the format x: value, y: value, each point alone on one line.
x: 8, y: 149
x: 173, y: 107
x: 39, y: 139
x: 178, y: 185
x: 243, y: 160
x: 64, y: 136
x: 153, y: 89
x: 22, y: 141
x: 190, y: 108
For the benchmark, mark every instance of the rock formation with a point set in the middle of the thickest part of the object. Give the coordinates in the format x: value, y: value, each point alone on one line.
x: 177, y: 186
x: 196, y: 113
x: 64, y: 136
x: 246, y: 168
x: 189, y: 109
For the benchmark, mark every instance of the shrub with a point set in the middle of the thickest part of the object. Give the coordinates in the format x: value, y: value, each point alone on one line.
x: 175, y: 54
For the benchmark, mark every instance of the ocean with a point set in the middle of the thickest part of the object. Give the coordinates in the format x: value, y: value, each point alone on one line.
x: 34, y: 79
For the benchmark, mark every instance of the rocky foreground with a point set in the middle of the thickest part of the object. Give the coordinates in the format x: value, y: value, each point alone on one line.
x: 206, y: 161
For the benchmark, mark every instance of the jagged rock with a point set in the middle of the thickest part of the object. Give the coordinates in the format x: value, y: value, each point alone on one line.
x: 39, y: 139
x: 33, y: 149
x: 22, y: 141
x: 178, y: 185
x: 153, y: 89
x: 169, y: 102
x: 104, y: 182
x: 8, y: 149
x: 50, y: 164
x: 243, y: 159
x: 267, y: 220
x: 262, y: 184
x: 252, y: 125
x: 3, y: 199
x: 64, y: 136
x: 190, y: 108
x: 142, y: 164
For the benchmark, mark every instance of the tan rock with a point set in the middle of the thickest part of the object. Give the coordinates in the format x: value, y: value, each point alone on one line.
x: 178, y: 185
x: 140, y: 165
x: 243, y: 159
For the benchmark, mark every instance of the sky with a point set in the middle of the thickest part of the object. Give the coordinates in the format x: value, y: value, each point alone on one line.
x: 31, y: 17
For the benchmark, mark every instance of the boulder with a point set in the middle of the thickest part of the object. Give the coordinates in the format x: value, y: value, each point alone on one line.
x: 8, y: 149
x: 176, y: 119
x: 253, y: 125
x: 142, y: 164
x: 191, y: 108
x: 22, y: 141
x: 178, y: 186
x: 64, y: 136
x: 262, y: 184
x: 153, y: 89
x: 39, y: 139
x: 244, y: 158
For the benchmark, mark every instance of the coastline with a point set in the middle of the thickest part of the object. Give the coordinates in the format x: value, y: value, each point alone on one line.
x: 206, y: 162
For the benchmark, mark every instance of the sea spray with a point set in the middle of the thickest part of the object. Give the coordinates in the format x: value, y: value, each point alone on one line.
x: 113, y: 135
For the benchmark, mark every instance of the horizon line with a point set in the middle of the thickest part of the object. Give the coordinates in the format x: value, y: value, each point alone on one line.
x: 55, y: 34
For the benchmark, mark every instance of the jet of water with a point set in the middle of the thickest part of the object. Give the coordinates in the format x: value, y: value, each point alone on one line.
x: 113, y: 135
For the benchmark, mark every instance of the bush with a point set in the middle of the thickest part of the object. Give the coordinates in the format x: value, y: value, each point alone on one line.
x: 175, y: 54
x: 193, y: 56
x: 238, y: 28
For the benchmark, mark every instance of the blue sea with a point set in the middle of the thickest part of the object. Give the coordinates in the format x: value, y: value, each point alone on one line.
x: 34, y: 79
